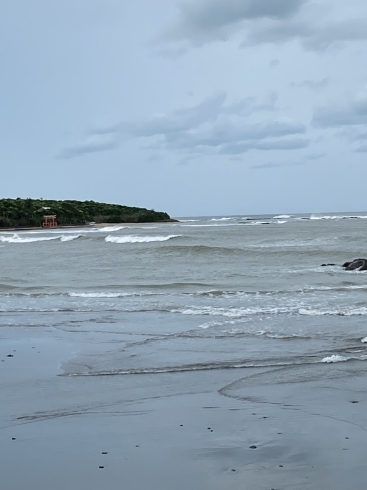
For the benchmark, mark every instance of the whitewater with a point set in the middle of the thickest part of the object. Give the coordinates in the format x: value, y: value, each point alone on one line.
x: 237, y: 290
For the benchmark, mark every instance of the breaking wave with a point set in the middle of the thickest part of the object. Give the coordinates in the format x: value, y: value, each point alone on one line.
x: 335, y: 358
x: 24, y: 239
x: 346, y: 312
x: 139, y: 239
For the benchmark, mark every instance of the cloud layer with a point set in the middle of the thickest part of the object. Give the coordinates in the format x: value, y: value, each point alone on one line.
x: 213, y: 126
x: 261, y: 22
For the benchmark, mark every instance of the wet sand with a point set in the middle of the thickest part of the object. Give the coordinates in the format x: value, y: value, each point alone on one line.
x: 223, y: 429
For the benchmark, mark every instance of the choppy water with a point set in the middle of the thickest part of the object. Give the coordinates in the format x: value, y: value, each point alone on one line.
x: 205, y: 293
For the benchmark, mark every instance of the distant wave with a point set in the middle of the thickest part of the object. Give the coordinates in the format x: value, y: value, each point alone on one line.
x: 110, y: 229
x: 110, y: 294
x: 69, y: 238
x: 233, y: 312
x: 221, y: 219
x: 346, y: 312
x: 139, y: 239
x: 334, y: 217
x: 24, y: 239
x: 335, y: 358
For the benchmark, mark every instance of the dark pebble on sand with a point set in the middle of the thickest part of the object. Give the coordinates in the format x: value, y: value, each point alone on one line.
x: 280, y: 466
x: 211, y: 430
x: 253, y: 447
x: 233, y: 469
x: 104, y: 452
x: 137, y: 445
x: 354, y: 401
x: 101, y: 467
x: 181, y: 425
x: 10, y: 355
x: 13, y: 438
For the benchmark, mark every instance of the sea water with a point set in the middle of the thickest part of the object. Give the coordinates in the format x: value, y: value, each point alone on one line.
x: 206, y: 293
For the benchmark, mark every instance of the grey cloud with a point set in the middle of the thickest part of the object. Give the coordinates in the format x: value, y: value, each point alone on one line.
x: 215, y: 127
x: 92, y: 144
x: 202, y: 21
x: 279, y: 144
x: 313, y: 85
x: 269, y: 165
x: 181, y: 120
x: 274, y: 63
x: 352, y: 113
x: 229, y: 133
x: 315, y: 156
x: 312, y: 37
x: 207, y: 111
x: 362, y: 148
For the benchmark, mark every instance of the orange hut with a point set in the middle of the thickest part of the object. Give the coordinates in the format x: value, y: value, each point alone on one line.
x: 49, y: 221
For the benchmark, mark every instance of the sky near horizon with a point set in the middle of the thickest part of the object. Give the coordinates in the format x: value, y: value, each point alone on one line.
x: 194, y: 107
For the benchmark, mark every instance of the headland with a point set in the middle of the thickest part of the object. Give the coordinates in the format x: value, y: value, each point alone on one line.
x: 44, y: 213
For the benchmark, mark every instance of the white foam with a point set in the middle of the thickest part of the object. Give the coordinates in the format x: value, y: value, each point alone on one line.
x: 347, y: 312
x: 98, y: 295
x: 232, y: 312
x: 364, y: 340
x: 335, y: 358
x: 333, y: 217
x: 283, y: 216
x: 17, y: 239
x: 26, y: 239
x: 69, y: 238
x: 110, y: 229
x: 221, y: 219
x: 139, y: 239
x: 112, y: 294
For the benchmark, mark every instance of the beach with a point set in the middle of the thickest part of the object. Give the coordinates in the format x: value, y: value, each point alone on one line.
x: 211, y: 353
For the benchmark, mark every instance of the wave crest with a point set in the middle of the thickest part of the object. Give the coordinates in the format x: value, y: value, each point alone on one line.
x: 139, y: 239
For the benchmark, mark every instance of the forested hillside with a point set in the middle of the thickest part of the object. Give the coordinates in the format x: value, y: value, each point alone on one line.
x: 30, y: 212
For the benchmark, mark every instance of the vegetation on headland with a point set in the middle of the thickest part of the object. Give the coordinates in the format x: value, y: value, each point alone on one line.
x: 18, y: 212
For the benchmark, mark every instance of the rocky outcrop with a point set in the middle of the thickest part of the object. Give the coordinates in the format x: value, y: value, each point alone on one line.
x: 356, y: 264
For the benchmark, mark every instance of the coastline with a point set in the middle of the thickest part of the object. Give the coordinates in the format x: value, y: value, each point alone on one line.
x: 88, y: 227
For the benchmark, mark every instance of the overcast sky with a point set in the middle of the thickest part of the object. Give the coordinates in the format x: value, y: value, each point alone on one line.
x: 194, y: 107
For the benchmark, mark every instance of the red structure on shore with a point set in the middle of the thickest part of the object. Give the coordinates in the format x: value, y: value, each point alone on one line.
x: 49, y: 221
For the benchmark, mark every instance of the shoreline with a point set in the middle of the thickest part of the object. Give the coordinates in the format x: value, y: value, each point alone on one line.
x: 77, y: 227
x: 161, y: 433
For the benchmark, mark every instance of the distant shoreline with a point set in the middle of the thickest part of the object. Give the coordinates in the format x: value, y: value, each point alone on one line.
x: 97, y: 225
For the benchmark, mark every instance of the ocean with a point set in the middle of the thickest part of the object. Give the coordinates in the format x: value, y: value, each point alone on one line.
x: 127, y: 316
x: 201, y: 294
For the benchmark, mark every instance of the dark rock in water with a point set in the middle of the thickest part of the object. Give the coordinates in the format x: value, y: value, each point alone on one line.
x: 326, y: 265
x: 356, y: 264
x: 253, y: 447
